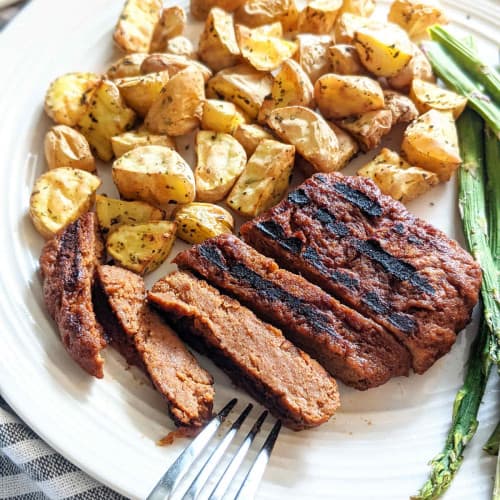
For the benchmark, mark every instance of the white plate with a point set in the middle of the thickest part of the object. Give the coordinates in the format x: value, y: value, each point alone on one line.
x: 378, y: 444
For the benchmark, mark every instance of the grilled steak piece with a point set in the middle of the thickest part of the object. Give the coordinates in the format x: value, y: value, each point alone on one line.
x: 256, y: 356
x: 67, y: 265
x: 350, y: 346
x: 147, y: 341
x: 368, y: 250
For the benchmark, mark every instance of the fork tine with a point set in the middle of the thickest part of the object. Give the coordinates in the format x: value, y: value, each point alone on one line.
x: 178, y: 469
x: 232, y: 468
x: 248, y: 488
x: 215, y: 457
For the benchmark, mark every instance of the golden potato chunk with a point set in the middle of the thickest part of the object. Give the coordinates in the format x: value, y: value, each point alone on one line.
x: 179, y: 108
x: 143, y: 246
x: 174, y: 64
x: 341, y: 96
x: 112, y: 212
x: 242, y: 85
x: 397, y: 178
x: 309, y: 133
x: 265, y: 179
x: 170, y: 25
x: 250, y: 136
x: 181, y: 46
x: 222, y: 116
x: 139, y: 92
x: 59, y: 197
x: 65, y: 147
x: 312, y: 55
x: 136, y: 25
x: 67, y: 96
x: 348, y: 147
x: 106, y: 116
x: 255, y: 13
x: 221, y: 159
x: 344, y: 60
x: 401, y: 106
x: 196, y: 222
x: 217, y: 46
x: 363, y: 8
x: 318, y: 16
x: 347, y: 24
x: 201, y: 8
x: 126, y: 66
x: 431, y: 142
x: 136, y: 138
x: 427, y: 96
x: 418, y: 67
x: 154, y: 174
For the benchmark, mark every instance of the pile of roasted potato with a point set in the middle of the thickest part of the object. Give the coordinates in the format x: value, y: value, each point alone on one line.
x: 270, y: 83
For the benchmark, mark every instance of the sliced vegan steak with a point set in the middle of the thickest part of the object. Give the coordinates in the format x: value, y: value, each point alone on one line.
x: 147, y: 341
x: 67, y: 263
x: 257, y: 357
x: 350, y: 346
x: 366, y: 249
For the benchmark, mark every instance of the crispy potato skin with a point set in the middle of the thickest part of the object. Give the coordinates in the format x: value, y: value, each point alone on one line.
x: 126, y: 66
x: 318, y: 16
x: 418, y: 67
x: 312, y: 55
x: 401, y: 106
x: 201, y: 8
x: 181, y: 46
x: 174, y: 64
x: 123, y: 143
x: 255, y: 13
x: 250, y: 136
x: 171, y: 24
x: 344, y: 60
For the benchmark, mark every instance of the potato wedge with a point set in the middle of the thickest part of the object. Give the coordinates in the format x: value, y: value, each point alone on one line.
x: 318, y: 16
x: 348, y: 147
x: 141, y: 247
x: 59, y: 197
x: 263, y: 51
x: 339, y: 96
x: 309, y: 133
x: 431, y: 142
x: 265, y: 179
x: 347, y: 24
x: 397, y: 178
x: 427, y: 96
x: 368, y: 128
x: 312, y: 55
x: 250, y: 136
x: 171, y: 24
x: 291, y: 87
x: 106, y: 116
x: 363, y: 8
x: 67, y: 96
x: 344, y: 60
x: 383, y: 52
x: 173, y: 64
x: 126, y: 66
x: 139, y: 92
x: 123, y: 143
x: 242, y: 85
x: 179, y: 108
x: 196, y: 222
x: 155, y: 174
x: 200, y: 8
x: 65, y: 147
x: 136, y: 25
x: 255, y: 13
x: 418, y: 67
x: 220, y: 161
x: 222, y: 116
x: 401, y: 106
x: 112, y: 212
x: 181, y: 46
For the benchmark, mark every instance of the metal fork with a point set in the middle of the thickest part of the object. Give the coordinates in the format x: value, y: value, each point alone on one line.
x: 169, y: 482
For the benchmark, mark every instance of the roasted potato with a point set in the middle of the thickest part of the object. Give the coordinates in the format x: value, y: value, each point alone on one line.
x: 67, y: 96
x: 173, y: 64
x: 196, y: 222
x: 431, y: 142
x: 318, y: 16
x: 255, y: 13
x: 363, y: 8
x: 347, y: 24
x: 348, y: 147
x: 222, y: 116
x: 384, y: 51
x: 401, y: 106
x: 181, y: 46
x: 368, y: 128
x: 265, y: 179
x: 242, y: 85
x: 137, y: 138
x: 415, y: 16
x: 250, y: 136
x: 112, y: 212
x: 291, y: 87
x: 344, y: 60
x: 418, y: 67
x: 155, y: 174
x: 201, y: 8
x: 221, y: 159
x: 143, y: 246
x: 217, y: 46
x: 136, y: 25
x: 126, y: 66
x: 59, y: 197
x: 139, y: 92
x: 397, y: 178
x: 106, y: 116
x: 309, y: 133
x: 427, y: 96
x: 312, y: 55
x: 179, y: 108
x: 340, y: 96
x: 170, y: 25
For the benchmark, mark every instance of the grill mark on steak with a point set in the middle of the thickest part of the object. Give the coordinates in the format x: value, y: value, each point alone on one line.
x: 359, y: 199
x: 331, y: 223
x: 299, y: 197
x: 275, y: 231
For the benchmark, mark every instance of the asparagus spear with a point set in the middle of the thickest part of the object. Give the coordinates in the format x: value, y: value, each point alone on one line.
x: 492, y: 149
x: 491, y: 445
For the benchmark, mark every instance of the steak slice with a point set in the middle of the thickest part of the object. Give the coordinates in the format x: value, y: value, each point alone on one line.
x: 256, y: 356
x: 350, y: 346
x: 147, y: 341
x: 369, y: 251
x: 67, y: 263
